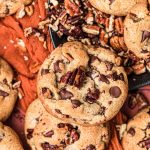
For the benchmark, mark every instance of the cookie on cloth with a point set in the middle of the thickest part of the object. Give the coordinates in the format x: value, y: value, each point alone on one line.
x: 9, y: 7
x: 116, y: 7
x: 137, y: 134
x: 8, y: 95
x: 9, y: 140
x: 137, y: 31
x: 44, y: 131
x: 82, y: 84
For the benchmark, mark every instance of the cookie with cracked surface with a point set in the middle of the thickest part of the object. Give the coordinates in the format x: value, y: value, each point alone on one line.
x: 82, y: 84
x: 8, y: 95
x: 116, y: 7
x: 137, y: 134
x: 9, y: 140
x: 9, y: 7
x: 52, y: 133
x: 137, y: 31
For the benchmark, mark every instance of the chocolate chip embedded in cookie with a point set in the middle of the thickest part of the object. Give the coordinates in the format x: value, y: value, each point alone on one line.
x: 8, y: 95
x: 9, y: 140
x: 51, y: 133
x: 137, y: 133
x: 116, y: 7
x: 82, y: 84
x: 137, y: 31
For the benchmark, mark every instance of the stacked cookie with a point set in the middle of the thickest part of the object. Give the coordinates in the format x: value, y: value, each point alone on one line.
x: 80, y: 89
x: 8, y: 96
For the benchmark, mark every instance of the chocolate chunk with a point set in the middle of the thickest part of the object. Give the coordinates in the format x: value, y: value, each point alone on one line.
x: 64, y: 94
x: 93, y: 58
x: 109, y: 66
x: 144, y: 51
x: 115, y: 91
x: 66, y: 77
x: 70, y: 127
x: 103, y: 78
x: 145, y: 143
x: 76, y: 103
x: 56, y: 66
x: 131, y: 131
x: 29, y: 133
x: 74, y: 135
x: 46, y: 92
x: 47, y: 146
x: 75, y: 78
x: 58, y: 111
x: 111, y: 1
x: 148, y: 126
x: 61, y: 125
x: 49, y: 133
x: 116, y: 77
x: 44, y: 71
x: 3, y: 93
x: 80, y: 76
x: 145, y: 35
x: 90, y: 147
x: 133, y: 104
x: 92, y: 96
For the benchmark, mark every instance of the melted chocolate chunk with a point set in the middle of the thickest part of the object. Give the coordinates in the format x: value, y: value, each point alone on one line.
x: 103, y: 78
x: 61, y: 125
x: 46, y: 92
x: 145, y: 35
x: 64, y: 94
x: 134, y: 17
x: 3, y: 93
x: 29, y: 133
x: 92, y: 96
x: 115, y: 91
x: 75, y: 78
x: 57, y: 67
x: 133, y: 104
x: 76, y: 103
x: 144, y: 51
x: 44, y: 71
x: 109, y: 66
x: 47, y: 146
x: 131, y: 131
x: 49, y: 133
x: 145, y: 143
x: 116, y: 77
x: 90, y: 147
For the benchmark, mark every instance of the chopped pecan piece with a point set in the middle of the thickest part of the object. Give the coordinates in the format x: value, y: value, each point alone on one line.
x: 139, y: 68
x: 74, y: 78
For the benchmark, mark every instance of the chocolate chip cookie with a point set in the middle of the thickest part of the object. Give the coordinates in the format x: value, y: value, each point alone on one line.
x: 137, y: 134
x: 116, y: 7
x: 9, y: 140
x: 82, y: 84
x: 9, y: 7
x: 34, y: 113
x: 52, y: 133
x: 8, y: 95
x: 137, y: 31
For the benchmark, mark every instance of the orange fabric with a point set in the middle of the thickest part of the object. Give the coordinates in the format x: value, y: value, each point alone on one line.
x: 12, y: 29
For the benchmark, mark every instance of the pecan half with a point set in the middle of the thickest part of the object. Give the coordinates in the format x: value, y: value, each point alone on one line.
x: 119, y: 25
